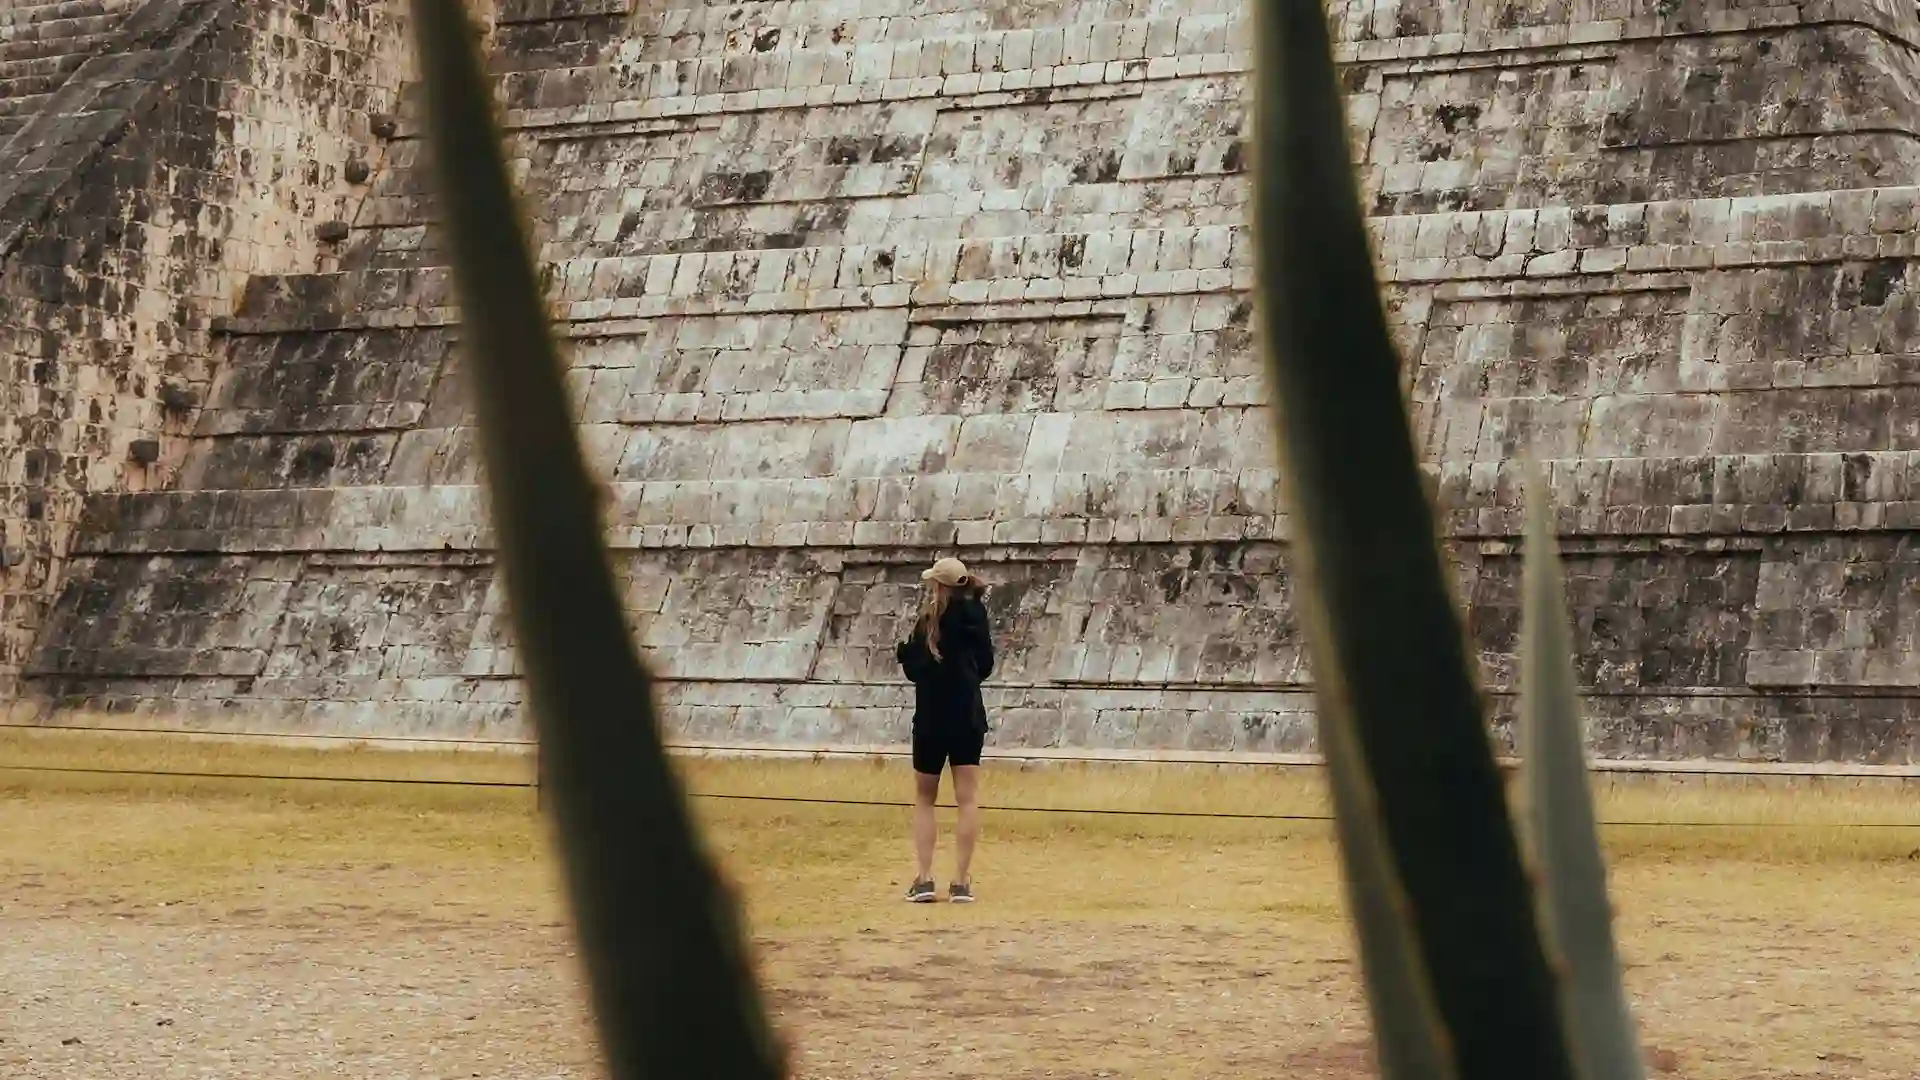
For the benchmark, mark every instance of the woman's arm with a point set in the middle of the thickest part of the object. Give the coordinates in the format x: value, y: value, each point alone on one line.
x: 913, y: 659
x: 980, y: 630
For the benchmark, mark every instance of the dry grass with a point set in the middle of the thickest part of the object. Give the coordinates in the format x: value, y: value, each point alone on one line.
x: 1142, y: 946
x: 1792, y: 820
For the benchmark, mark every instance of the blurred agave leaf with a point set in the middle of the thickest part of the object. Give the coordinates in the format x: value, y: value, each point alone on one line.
x: 1575, y: 912
x: 1390, y: 660
x: 671, y: 986
x: 1407, y: 1030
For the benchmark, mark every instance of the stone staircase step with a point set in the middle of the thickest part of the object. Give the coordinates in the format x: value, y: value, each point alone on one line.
x: 23, y: 105
x: 43, y: 44
x: 61, y: 10
x: 19, y: 84
x: 30, y: 55
x: 26, y: 39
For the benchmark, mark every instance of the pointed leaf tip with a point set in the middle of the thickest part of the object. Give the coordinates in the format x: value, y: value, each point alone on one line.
x: 1575, y: 912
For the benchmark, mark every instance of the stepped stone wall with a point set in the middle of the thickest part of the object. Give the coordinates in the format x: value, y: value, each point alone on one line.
x: 191, y: 148
x: 41, y: 44
x: 849, y: 284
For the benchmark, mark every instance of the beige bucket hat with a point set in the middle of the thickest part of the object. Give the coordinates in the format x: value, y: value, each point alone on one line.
x: 948, y: 572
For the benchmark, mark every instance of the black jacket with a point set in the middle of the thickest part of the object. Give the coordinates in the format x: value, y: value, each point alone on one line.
x: 947, y: 691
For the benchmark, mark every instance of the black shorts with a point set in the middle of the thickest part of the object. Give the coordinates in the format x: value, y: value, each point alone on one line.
x: 937, y: 745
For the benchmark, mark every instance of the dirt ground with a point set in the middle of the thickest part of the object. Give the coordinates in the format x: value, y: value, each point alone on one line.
x: 214, y: 929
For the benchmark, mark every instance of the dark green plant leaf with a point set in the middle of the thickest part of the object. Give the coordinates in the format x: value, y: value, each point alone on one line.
x: 1575, y: 912
x: 1390, y: 660
x: 1412, y: 1043
x: 672, y: 989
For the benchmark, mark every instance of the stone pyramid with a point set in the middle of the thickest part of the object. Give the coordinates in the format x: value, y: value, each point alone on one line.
x: 851, y: 284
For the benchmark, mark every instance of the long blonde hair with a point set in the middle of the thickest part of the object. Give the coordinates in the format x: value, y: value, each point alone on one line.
x: 933, y: 604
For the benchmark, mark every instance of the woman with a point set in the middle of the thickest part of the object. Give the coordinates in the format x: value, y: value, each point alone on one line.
x: 948, y: 656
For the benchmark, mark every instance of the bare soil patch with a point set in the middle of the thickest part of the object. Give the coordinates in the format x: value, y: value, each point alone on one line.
x: 164, y: 929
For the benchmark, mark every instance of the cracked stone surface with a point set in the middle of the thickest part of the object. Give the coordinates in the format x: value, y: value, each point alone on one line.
x: 849, y: 284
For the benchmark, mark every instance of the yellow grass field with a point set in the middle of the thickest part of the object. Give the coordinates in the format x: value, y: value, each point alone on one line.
x: 175, y: 927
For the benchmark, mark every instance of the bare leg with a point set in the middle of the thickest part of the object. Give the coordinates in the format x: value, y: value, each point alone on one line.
x: 966, y: 792
x: 926, y: 790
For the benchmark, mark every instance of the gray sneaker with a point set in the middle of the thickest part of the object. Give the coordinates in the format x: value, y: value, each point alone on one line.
x: 921, y: 892
x: 959, y: 894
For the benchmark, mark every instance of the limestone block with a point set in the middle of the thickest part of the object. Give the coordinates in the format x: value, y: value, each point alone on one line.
x: 845, y: 288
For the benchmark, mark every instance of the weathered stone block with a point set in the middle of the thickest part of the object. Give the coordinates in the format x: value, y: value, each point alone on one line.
x: 849, y: 293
